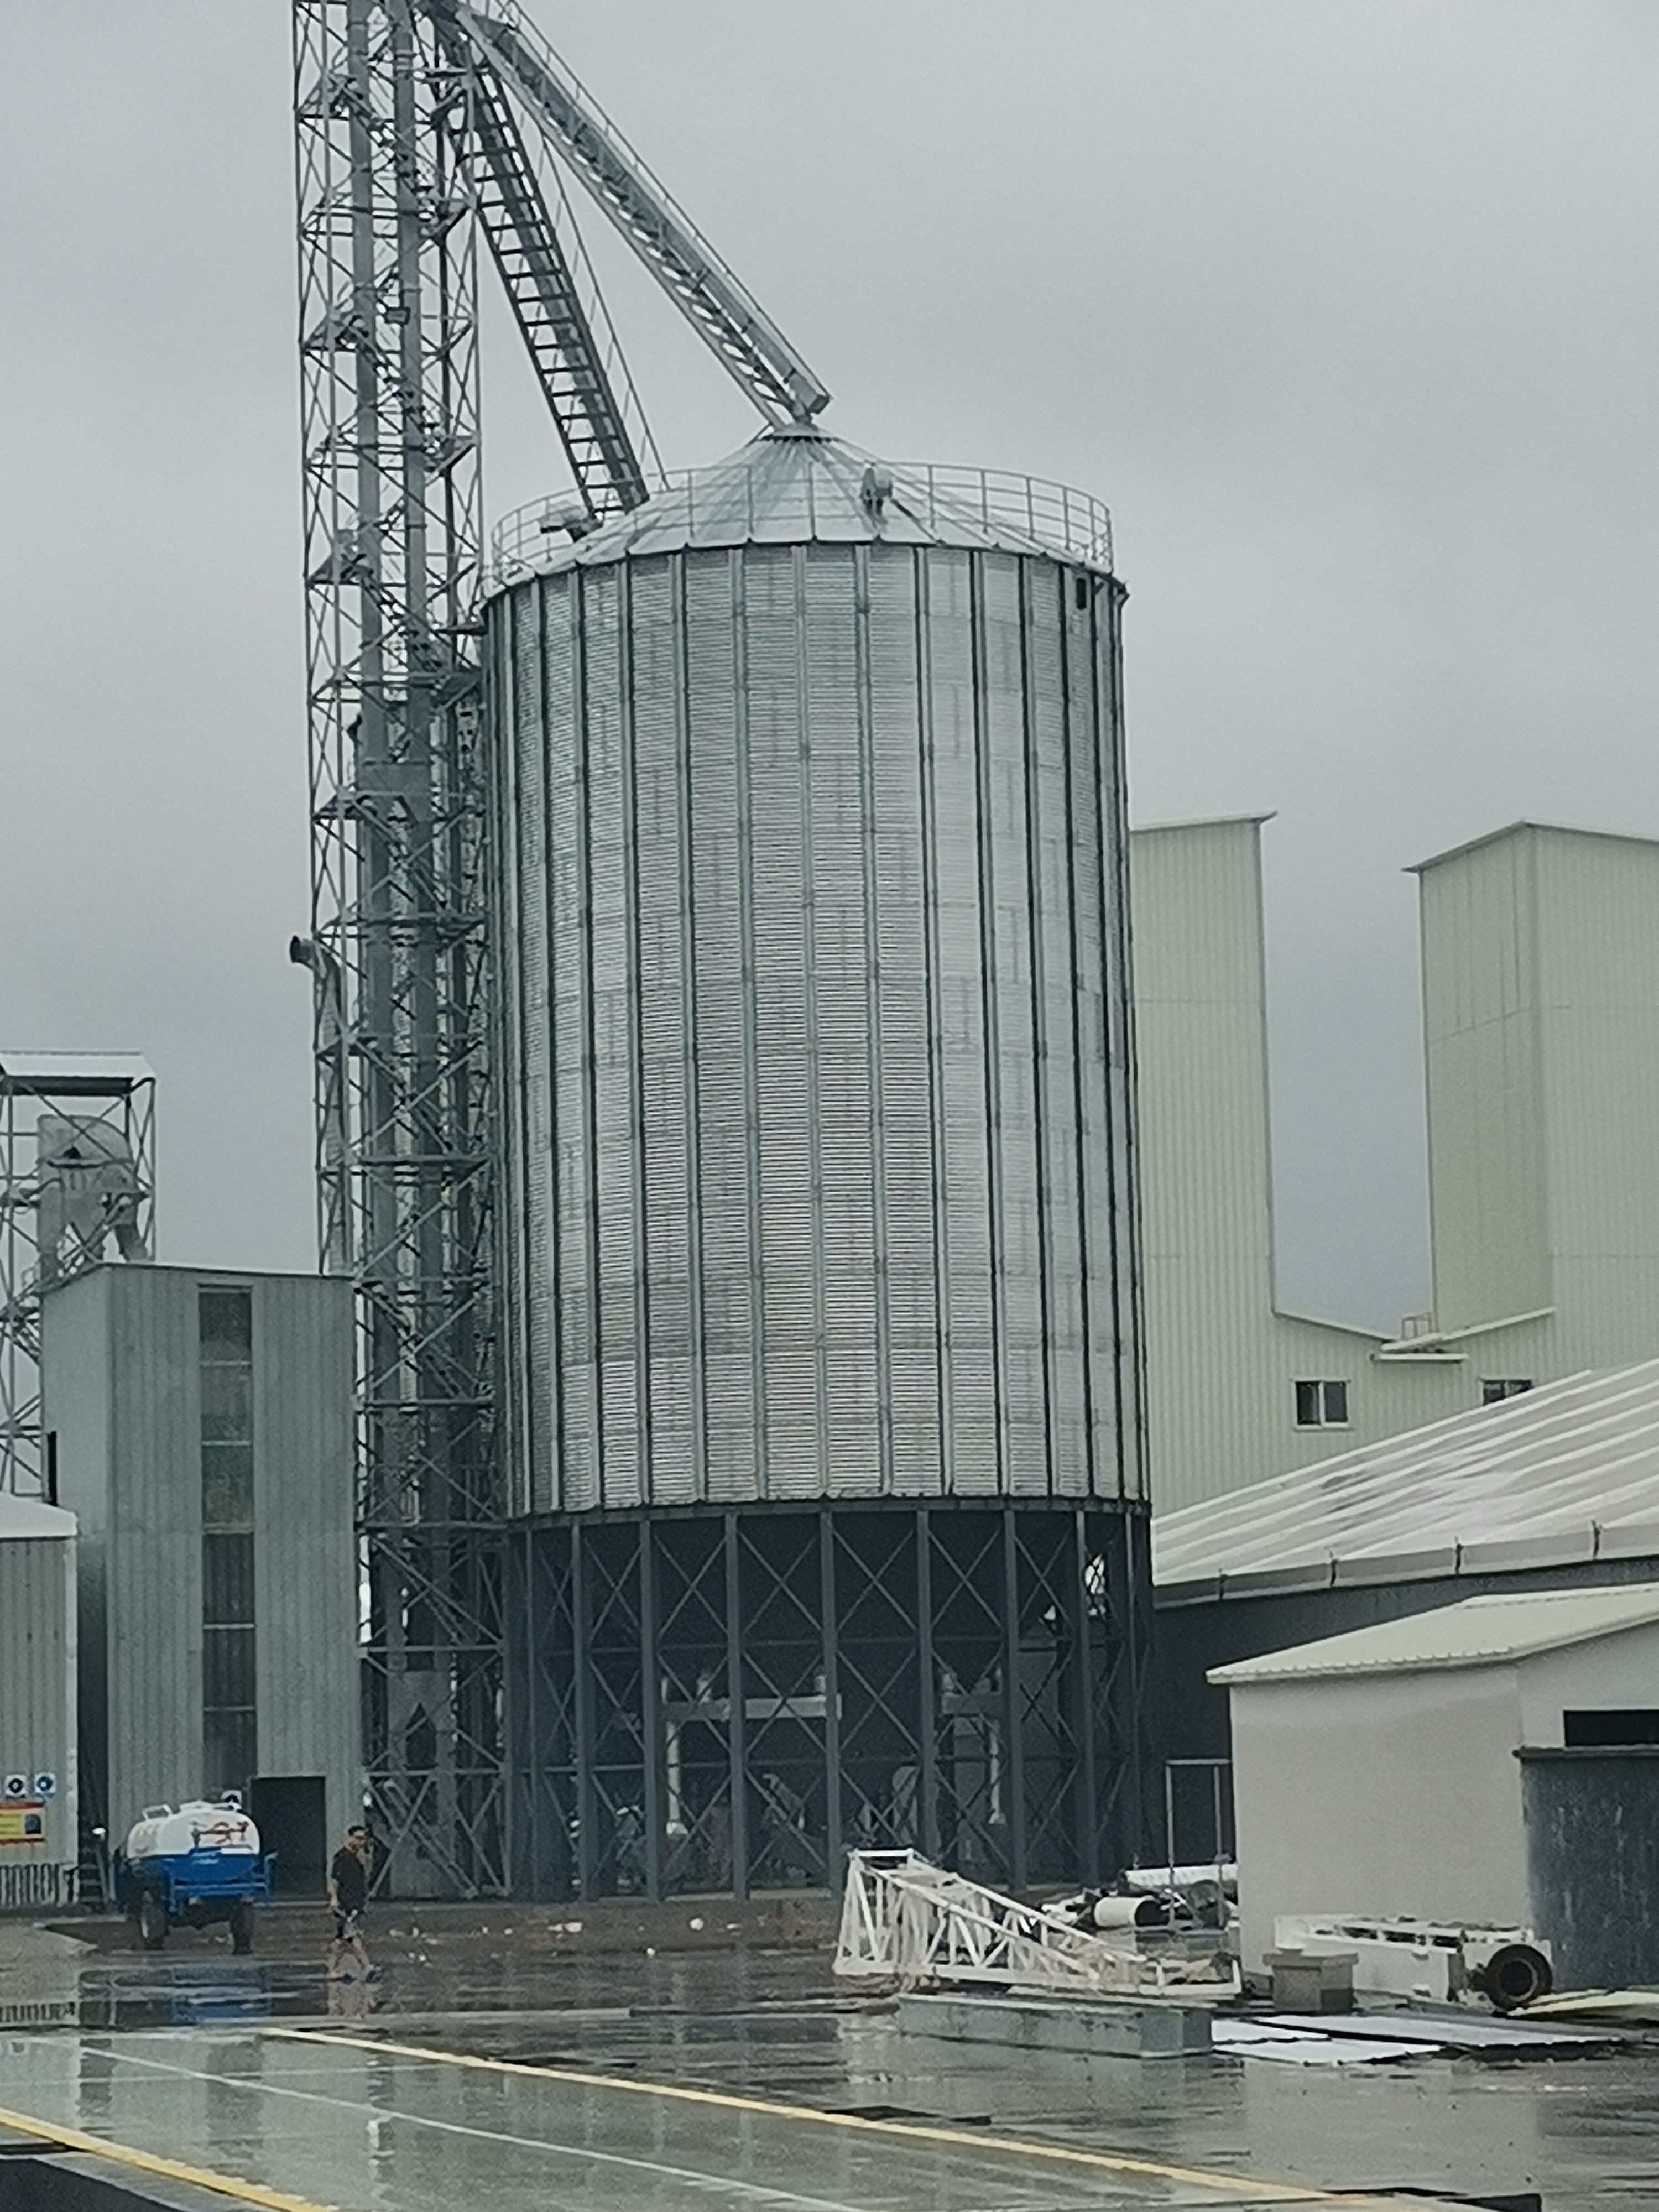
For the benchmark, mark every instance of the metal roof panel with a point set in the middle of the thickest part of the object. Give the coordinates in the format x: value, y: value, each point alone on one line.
x: 1480, y: 1631
x: 27, y: 1520
x: 1547, y: 1478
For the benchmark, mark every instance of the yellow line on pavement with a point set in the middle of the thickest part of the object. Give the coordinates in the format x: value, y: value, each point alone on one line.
x: 903, y: 2130
x: 170, y: 2169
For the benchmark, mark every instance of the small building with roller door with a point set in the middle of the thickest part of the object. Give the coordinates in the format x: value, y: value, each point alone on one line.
x: 1376, y: 1773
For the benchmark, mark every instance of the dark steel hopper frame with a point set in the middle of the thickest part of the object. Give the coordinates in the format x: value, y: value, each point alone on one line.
x: 727, y: 1701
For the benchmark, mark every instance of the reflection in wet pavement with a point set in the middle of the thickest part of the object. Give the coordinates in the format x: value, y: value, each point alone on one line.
x: 356, y: 2127
x: 203, y: 2031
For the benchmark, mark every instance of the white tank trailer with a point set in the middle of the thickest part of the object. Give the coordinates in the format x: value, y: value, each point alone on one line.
x: 816, y: 1186
x: 193, y: 1865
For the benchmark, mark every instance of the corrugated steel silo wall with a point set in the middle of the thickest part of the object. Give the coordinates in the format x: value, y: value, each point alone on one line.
x: 814, y: 1047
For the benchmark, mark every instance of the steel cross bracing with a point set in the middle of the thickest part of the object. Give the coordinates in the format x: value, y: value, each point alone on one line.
x: 77, y: 1176
x: 392, y: 517
x: 726, y: 1702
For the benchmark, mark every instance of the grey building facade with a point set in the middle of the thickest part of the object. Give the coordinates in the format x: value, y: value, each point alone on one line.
x: 199, y: 1424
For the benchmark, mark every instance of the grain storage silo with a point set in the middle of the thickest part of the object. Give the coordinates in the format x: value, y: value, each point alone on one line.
x: 821, y: 1338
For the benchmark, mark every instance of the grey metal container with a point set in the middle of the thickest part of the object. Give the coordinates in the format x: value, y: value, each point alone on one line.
x: 814, y: 1047
x: 1592, y: 1821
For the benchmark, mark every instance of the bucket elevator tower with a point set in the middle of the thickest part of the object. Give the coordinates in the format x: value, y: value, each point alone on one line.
x: 724, y: 1059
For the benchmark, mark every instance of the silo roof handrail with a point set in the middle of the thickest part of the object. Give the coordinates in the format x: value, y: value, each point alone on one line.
x: 721, y: 506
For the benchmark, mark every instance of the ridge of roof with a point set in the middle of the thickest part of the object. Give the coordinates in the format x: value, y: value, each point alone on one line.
x: 1512, y: 829
x: 1477, y: 1632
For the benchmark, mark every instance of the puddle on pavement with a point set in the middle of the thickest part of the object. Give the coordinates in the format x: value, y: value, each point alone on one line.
x: 777, y: 2026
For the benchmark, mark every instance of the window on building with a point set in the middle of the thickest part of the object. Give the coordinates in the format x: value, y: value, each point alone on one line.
x: 1321, y: 1405
x: 1635, y: 1726
x: 1497, y: 1388
x: 229, y: 1743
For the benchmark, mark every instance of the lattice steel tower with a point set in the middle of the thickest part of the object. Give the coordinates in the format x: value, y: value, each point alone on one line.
x: 409, y: 149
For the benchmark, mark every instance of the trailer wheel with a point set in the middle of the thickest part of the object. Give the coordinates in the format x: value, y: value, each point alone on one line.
x: 241, y: 1927
x: 152, y: 1921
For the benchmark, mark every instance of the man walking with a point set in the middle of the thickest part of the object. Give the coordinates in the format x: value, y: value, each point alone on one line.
x: 348, y: 1896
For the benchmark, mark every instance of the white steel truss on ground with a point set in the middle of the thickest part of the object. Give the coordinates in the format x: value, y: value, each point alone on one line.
x: 904, y: 1920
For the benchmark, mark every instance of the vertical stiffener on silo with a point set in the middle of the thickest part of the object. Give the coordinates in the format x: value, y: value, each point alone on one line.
x: 822, y: 1338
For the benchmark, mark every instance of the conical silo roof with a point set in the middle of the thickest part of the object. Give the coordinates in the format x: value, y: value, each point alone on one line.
x: 796, y: 486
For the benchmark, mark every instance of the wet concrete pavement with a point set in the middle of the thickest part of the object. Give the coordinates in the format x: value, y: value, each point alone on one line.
x: 360, y: 2096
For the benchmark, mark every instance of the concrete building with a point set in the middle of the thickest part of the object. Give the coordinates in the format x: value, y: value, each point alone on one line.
x: 39, y: 1845
x: 1377, y: 1772
x: 1540, y: 989
x: 199, y: 1423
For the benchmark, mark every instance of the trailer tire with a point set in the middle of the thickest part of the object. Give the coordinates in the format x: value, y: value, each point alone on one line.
x: 241, y: 1928
x: 152, y: 1921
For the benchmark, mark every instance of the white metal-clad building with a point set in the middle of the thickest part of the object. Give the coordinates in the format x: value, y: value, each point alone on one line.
x: 1541, y: 990
x: 1565, y: 1476
x: 1557, y: 1488
x: 1375, y: 1773
x: 39, y: 1843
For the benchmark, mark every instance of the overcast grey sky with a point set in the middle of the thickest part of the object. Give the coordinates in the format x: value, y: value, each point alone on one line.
x: 1347, y: 308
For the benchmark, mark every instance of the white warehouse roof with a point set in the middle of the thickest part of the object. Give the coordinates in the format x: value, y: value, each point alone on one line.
x: 1480, y: 1631
x: 1562, y: 1475
x: 27, y: 1520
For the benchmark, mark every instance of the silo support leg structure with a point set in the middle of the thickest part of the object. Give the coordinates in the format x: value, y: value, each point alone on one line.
x: 729, y: 1702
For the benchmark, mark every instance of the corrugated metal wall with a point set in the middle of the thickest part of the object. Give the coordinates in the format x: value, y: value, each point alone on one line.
x: 1223, y: 1362
x: 310, y: 1698
x: 122, y: 1382
x: 153, y: 1546
x: 75, y: 1392
x: 1489, y: 1201
x: 1540, y: 954
x: 1598, y: 962
x: 816, y: 1041
x: 37, y: 1711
